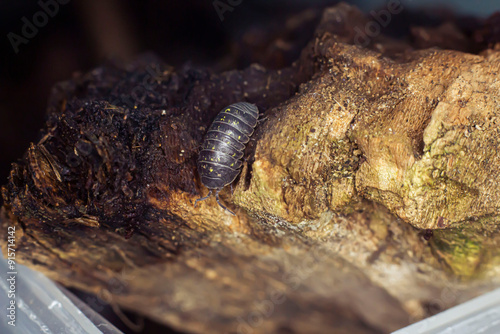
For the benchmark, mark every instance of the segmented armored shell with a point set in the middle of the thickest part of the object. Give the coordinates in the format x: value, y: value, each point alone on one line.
x: 219, y: 162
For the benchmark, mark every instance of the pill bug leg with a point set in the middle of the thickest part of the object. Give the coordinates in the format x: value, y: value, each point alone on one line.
x: 222, y: 206
x: 203, y: 198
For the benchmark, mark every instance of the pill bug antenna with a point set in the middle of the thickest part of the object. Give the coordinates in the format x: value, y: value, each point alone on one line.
x: 262, y: 112
x: 204, y: 198
x: 262, y: 119
x: 222, y: 206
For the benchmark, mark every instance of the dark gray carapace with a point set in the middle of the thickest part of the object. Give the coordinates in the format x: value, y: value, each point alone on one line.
x: 219, y: 162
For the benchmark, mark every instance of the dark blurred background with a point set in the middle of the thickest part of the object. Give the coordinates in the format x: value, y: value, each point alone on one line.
x: 78, y: 35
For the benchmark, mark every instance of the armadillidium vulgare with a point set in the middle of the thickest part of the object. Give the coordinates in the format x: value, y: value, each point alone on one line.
x: 219, y: 161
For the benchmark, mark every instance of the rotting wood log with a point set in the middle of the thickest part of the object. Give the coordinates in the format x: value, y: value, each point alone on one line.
x: 365, y: 150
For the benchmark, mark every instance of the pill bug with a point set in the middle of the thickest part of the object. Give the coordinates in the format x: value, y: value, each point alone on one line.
x: 219, y: 161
